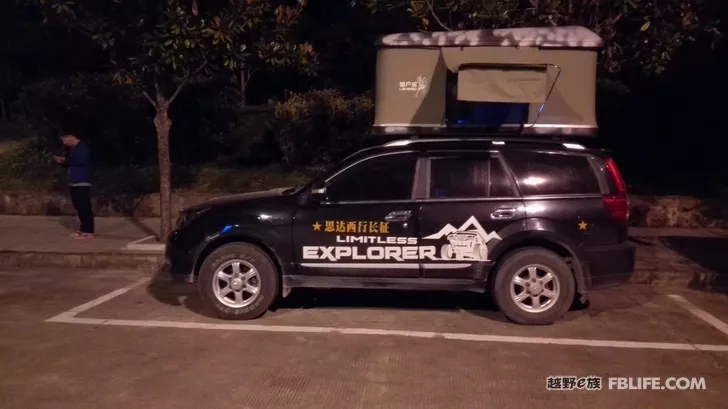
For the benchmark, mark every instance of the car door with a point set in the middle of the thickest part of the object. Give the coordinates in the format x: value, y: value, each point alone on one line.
x: 471, y: 205
x: 365, y: 224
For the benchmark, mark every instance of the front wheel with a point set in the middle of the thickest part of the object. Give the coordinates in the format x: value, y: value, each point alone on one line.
x: 534, y: 286
x: 238, y: 281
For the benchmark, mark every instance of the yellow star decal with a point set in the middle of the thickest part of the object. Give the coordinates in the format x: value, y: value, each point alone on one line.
x: 583, y: 225
x: 317, y: 226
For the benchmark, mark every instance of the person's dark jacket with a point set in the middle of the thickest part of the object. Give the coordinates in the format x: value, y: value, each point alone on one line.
x: 78, y: 161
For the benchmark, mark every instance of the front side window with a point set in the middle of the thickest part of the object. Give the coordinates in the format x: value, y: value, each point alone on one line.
x: 468, y: 176
x: 388, y: 177
x: 541, y: 173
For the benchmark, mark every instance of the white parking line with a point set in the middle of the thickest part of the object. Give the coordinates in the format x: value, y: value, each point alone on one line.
x: 140, y: 245
x: 64, y: 316
x: 700, y: 313
x: 69, y: 317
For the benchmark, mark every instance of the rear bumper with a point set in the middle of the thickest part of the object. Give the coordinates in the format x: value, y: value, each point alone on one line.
x: 610, y: 266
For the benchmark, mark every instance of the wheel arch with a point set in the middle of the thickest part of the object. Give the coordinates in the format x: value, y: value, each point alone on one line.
x: 216, y: 243
x: 552, y: 244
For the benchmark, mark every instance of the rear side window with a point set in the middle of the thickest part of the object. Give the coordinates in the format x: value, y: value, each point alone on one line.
x: 541, y: 173
x: 468, y: 176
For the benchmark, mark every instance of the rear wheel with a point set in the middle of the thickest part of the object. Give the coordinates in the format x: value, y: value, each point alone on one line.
x: 238, y: 281
x: 534, y: 286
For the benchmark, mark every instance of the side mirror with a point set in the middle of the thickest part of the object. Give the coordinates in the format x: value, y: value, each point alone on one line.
x: 318, y: 192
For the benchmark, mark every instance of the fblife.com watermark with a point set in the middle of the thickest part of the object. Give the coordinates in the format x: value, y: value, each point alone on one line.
x: 597, y: 383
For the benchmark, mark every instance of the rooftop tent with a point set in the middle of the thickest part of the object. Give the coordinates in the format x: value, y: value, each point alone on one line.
x: 538, y: 80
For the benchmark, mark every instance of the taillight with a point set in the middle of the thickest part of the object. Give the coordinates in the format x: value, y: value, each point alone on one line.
x: 617, y: 203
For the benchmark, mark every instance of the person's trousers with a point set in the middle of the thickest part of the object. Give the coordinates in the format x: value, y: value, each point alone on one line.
x: 81, y: 199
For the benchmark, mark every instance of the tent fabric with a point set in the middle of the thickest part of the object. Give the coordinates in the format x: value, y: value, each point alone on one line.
x: 507, y: 85
x: 569, y: 37
x: 410, y: 87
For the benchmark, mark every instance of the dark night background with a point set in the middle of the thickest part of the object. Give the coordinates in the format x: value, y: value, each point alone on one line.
x: 668, y: 129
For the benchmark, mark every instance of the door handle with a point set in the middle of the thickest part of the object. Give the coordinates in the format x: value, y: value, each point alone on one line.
x: 398, y: 216
x: 501, y: 214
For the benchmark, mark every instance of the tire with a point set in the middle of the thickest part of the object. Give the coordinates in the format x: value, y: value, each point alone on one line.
x: 519, y: 261
x: 246, y: 256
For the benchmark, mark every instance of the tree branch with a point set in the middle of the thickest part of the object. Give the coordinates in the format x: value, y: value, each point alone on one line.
x: 149, y: 98
x: 250, y: 75
x: 177, y: 91
x: 185, y: 80
x: 431, y: 6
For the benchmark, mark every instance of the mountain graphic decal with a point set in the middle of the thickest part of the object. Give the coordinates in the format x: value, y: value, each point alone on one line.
x: 470, y: 225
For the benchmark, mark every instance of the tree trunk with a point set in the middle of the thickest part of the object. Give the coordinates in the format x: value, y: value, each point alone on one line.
x: 163, y: 124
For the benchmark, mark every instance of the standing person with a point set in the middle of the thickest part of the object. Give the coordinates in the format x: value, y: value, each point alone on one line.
x: 77, y: 160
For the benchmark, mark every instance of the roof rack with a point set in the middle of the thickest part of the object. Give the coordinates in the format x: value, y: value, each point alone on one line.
x: 464, y: 136
x: 506, y: 130
x: 495, y: 140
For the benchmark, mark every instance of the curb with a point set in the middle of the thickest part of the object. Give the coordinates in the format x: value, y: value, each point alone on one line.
x: 135, y: 261
x: 709, y: 281
x: 701, y: 281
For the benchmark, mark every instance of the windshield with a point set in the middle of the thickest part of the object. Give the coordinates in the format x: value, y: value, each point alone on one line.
x: 316, y: 174
x: 322, y: 173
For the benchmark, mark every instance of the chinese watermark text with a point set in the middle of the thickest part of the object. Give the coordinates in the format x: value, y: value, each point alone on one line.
x: 593, y: 383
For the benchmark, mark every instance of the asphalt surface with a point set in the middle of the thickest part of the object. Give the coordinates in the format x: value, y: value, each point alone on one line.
x: 132, y: 351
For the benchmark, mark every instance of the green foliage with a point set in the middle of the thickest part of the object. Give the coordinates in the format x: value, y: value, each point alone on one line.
x: 215, y: 179
x: 640, y: 35
x: 115, y: 120
x: 31, y: 161
x: 160, y: 45
x: 251, y: 141
x: 112, y: 118
x: 28, y: 166
x: 320, y: 127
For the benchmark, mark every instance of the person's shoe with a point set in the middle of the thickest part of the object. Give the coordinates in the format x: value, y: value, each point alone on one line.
x: 82, y: 236
x: 76, y: 234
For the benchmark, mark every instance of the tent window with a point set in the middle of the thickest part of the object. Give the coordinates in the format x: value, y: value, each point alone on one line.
x: 481, y: 113
x: 505, y: 85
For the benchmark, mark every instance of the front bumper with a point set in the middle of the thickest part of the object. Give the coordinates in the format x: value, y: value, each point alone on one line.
x: 179, y: 256
x: 610, y: 266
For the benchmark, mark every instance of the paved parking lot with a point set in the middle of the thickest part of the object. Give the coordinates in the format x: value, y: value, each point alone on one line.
x: 95, y: 339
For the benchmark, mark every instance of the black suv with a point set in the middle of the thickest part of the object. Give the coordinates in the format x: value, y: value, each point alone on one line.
x: 536, y: 222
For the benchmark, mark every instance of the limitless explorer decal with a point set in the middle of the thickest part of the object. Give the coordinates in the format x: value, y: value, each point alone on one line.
x: 468, y: 243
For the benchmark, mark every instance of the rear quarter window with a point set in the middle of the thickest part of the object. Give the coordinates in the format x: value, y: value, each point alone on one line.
x: 545, y: 173
x: 601, y: 163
